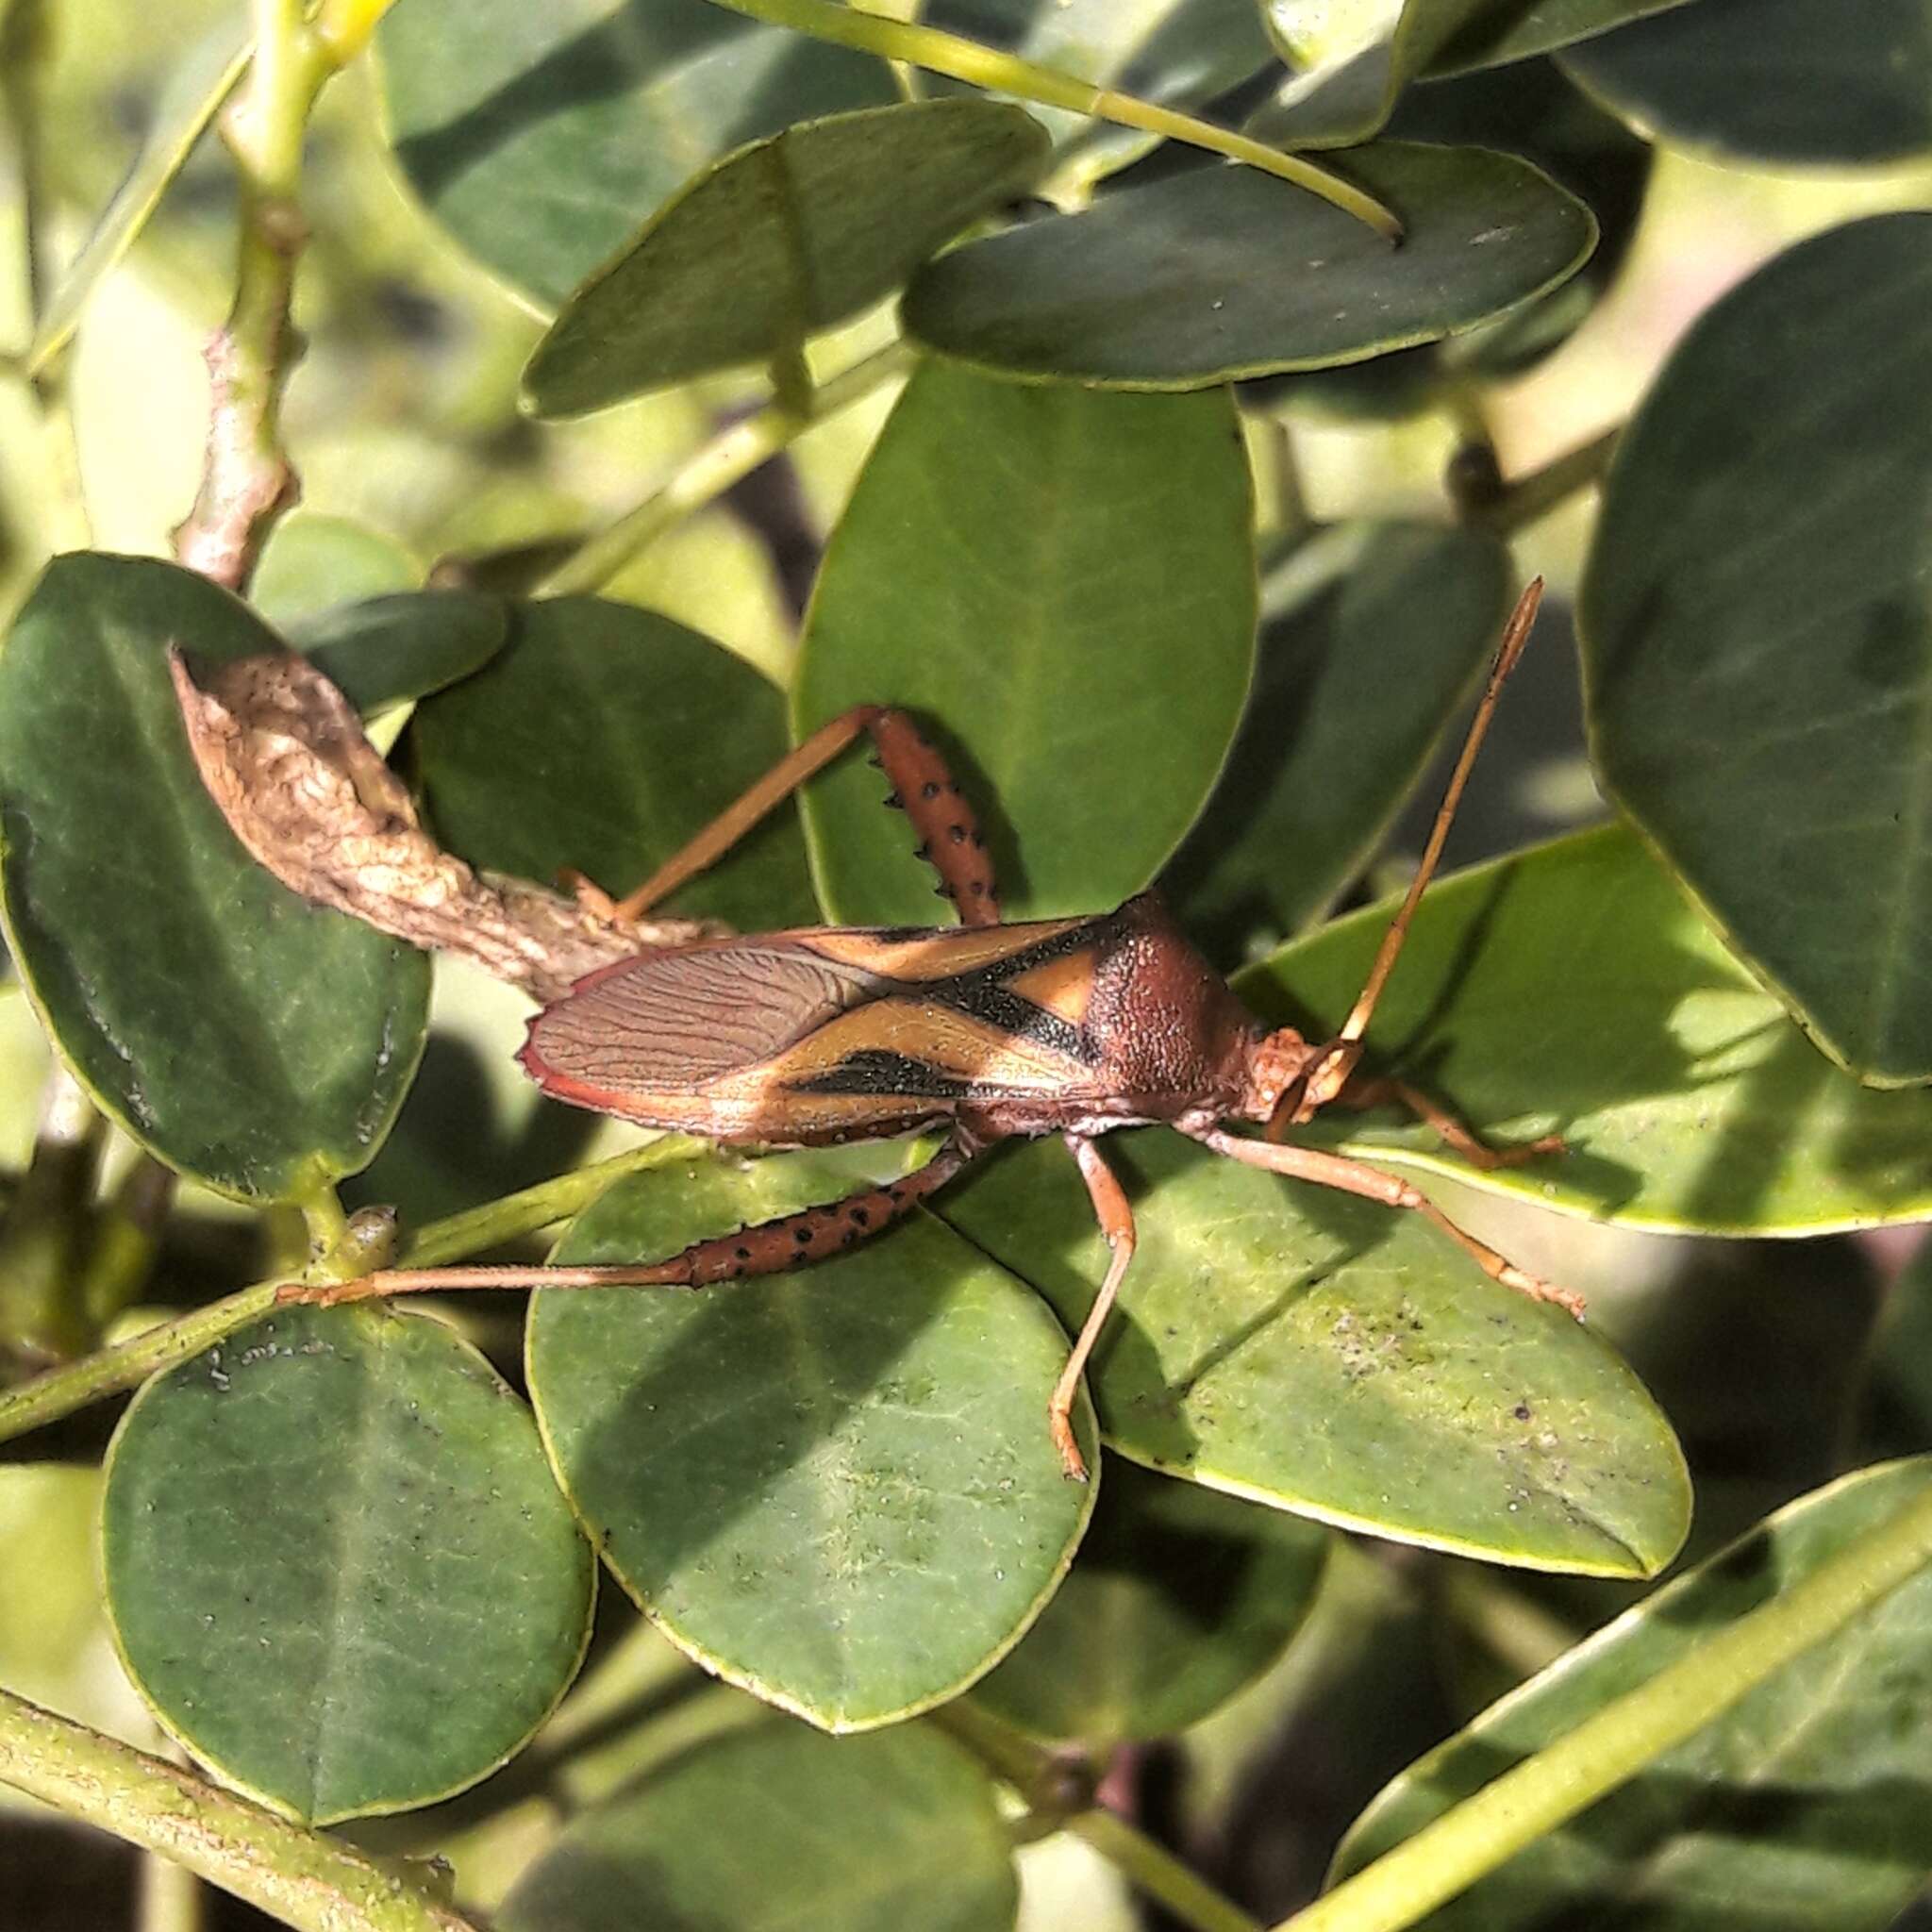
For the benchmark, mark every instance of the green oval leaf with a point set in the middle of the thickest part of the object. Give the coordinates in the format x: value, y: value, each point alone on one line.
x: 1772, y: 80
x: 247, y: 1038
x: 1222, y: 272
x: 337, y: 1565
x: 1062, y: 582
x: 314, y: 563
x: 1758, y: 649
x: 601, y: 738
x: 835, y: 1487
x: 1179, y: 1598
x: 387, y: 650
x: 541, y: 137
x: 1575, y: 989
x: 779, y: 239
x: 1372, y: 636
x: 1326, y: 1355
x: 781, y: 1830
x: 1804, y: 1804
x: 1504, y: 31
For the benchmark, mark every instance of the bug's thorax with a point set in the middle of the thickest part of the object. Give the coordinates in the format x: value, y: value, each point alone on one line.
x: 1170, y: 1037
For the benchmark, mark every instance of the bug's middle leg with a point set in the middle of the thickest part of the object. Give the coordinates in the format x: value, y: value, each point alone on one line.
x: 790, y: 1241
x: 1116, y: 1219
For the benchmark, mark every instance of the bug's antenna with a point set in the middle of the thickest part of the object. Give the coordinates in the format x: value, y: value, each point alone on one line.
x: 1515, y: 635
x: 1332, y: 1067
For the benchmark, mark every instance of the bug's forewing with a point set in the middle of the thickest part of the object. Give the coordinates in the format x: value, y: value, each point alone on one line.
x: 804, y: 1037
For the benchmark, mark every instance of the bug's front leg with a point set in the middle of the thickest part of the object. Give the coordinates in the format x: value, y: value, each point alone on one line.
x: 792, y: 1241
x: 1356, y: 1177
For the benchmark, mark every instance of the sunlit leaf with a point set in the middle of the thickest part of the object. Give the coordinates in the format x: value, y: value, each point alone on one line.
x: 780, y: 240
x: 1804, y: 1805
x: 1330, y: 1355
x: 1221, y: 272
x: 600, y: 739
x: 1758, y: 649
x: 1575, y: 989
x: 1061, y: 583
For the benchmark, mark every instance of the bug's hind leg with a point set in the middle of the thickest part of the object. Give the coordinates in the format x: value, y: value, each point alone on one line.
x: 1455, y: 1132
x: 771, y: 1246
x: 922, y: 787
x: 949, y: 835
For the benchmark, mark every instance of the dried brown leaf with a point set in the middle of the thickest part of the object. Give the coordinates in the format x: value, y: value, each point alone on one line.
x: 282, y: 753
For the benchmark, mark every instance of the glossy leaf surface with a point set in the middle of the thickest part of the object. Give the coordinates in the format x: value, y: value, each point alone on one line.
x: 337, y: 1564
x: 1504, y: 31
x: 835, y: 1487
x: 1370, y: 640
x: 541, y: 137
x: 1575, y: 989
x: 780, y: 1831
x: 778, y: 240
x: 1061, y: 583
x: 245, y: 1037
x: 1777, y: 81
x: 384, y: 650
x: 601, y: 738
x: 1805, y: 1805
x: 1178, y: 1597
x: 1222, y: 271
x: 1330, y: 1355
x: 1758, y: 649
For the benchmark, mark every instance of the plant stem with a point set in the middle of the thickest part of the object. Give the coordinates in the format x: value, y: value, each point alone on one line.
x: 1157, y: 1872
x: 26, y: 54
x: 60, y: 1392
x: 1054, y: 1787
x: 530, y: 1209
x: 303, y: 1878
x: 1447, y: 1856
x: 1536, y: 495
x: 968, y: 60
x: 247, y: 479
x: 734, y: 453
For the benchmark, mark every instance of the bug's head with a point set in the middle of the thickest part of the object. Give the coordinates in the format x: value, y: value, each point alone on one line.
x: 1278, y: 1065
